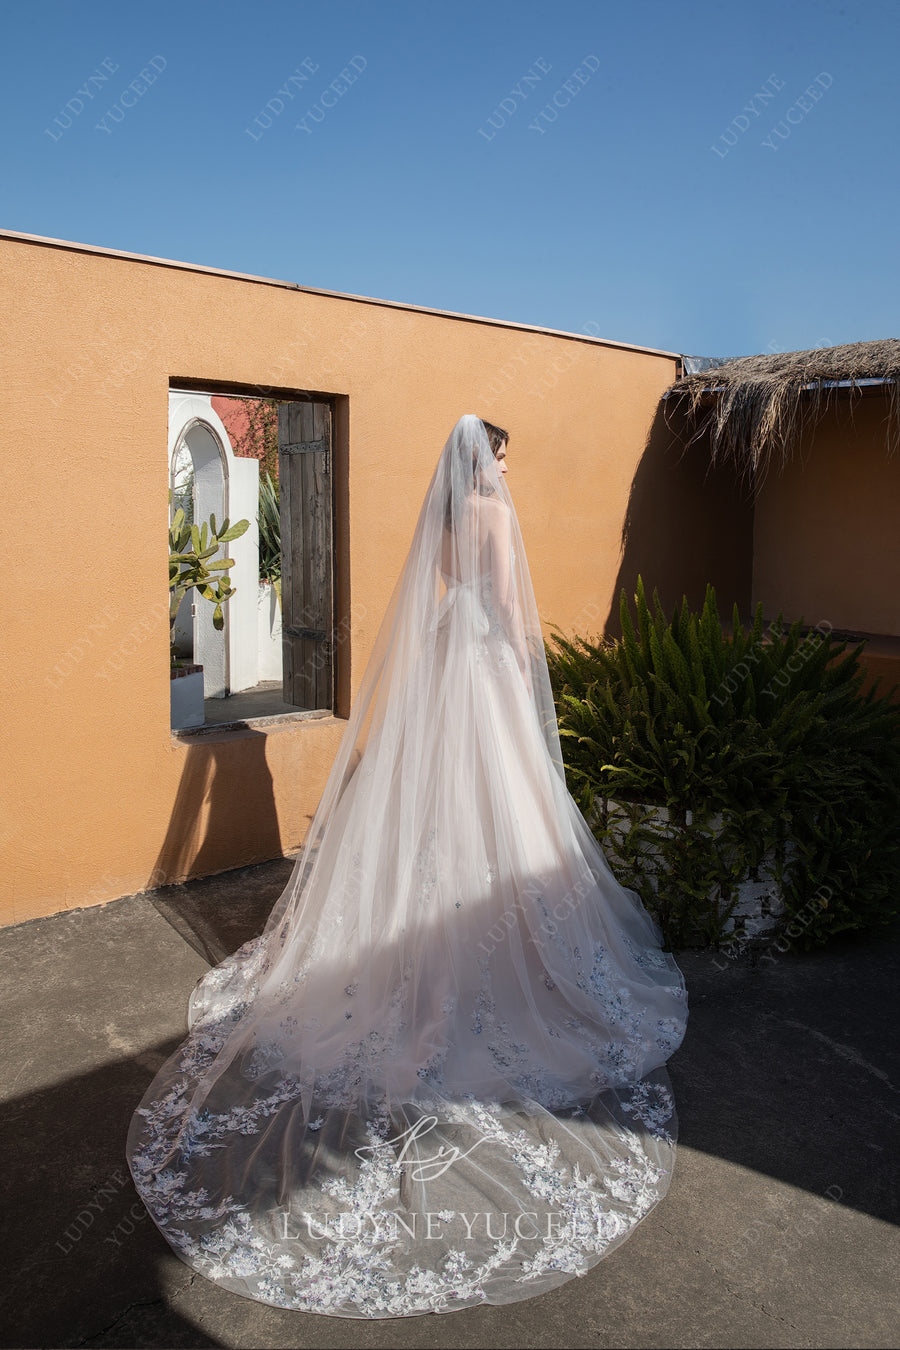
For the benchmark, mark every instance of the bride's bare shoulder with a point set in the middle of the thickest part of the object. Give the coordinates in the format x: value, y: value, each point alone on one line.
x: 491, y: 513
x: 494, y: 508
x: 497, y: 516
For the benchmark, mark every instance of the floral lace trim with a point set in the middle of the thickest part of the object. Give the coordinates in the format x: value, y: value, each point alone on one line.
x: 356, y: 1272
x: 620, y: 1040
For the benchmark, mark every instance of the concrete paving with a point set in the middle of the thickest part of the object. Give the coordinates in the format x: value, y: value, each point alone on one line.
x: 777, y: 1229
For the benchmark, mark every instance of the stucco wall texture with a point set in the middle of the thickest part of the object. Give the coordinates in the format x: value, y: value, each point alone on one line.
x: 826, y: 537
x: 100, y: 800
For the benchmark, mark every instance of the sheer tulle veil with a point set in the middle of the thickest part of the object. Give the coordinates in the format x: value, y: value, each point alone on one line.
x: 437, y: 1077
x: 394, y: 718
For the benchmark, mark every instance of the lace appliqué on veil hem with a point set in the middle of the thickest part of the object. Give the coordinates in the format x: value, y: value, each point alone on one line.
x: 354, y: 1270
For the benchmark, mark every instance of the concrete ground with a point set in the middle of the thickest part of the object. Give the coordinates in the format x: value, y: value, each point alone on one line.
x: 776, y: 1231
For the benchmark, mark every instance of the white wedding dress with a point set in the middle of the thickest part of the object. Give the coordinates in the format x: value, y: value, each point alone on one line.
x: 437, y: 1078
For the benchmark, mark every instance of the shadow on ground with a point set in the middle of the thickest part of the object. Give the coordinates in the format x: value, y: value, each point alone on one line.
x: 776, y: 1230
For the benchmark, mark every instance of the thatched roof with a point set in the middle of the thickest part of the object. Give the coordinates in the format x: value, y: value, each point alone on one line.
x: 755, y: 407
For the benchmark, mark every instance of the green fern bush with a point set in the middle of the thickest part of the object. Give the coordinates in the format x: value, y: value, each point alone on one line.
x: 752, y: 745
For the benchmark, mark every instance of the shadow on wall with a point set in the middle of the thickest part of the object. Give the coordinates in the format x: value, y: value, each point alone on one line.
x: 685, y: 524
x: 224, y: 808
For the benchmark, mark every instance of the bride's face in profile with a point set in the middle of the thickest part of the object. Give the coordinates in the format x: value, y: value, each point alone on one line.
x: 502, y: 466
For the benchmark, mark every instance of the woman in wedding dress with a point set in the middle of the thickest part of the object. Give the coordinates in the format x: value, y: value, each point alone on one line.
x: 437, y: 1078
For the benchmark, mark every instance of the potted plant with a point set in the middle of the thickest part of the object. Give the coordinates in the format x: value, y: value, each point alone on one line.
x: 738, y: 781
x: 191, y: 548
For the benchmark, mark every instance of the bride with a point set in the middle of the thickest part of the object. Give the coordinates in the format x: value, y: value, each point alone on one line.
x: 437, y: 1078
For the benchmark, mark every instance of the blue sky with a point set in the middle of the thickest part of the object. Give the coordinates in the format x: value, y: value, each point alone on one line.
x: 610, y: 167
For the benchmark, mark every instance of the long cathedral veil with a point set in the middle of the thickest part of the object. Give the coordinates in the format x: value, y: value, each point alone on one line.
x: 437, y: 1076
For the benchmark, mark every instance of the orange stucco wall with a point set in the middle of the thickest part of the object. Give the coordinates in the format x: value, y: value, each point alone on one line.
x: 99, y: 799
x: 826, y: 535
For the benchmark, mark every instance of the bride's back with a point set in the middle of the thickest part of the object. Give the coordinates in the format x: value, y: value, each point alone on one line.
x: 490, y: 515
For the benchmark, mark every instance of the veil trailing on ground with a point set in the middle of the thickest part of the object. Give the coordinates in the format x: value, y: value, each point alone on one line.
x: 437, y: 1077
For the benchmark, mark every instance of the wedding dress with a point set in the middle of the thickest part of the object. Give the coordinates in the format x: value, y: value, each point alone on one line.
x: 437, y: 1078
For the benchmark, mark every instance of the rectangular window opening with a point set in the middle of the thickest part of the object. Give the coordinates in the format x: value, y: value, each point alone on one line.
x: 268, y: 460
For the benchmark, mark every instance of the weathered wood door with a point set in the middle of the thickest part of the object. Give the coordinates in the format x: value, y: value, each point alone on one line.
x: 307, y: 553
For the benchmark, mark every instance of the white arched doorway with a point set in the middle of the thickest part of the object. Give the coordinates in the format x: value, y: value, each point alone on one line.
x: 224, y: 485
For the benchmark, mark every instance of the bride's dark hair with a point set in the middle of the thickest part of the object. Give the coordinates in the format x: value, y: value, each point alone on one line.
x: 496, y: 435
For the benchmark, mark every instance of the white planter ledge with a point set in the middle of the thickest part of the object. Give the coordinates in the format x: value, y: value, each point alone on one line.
x: 760, y: 905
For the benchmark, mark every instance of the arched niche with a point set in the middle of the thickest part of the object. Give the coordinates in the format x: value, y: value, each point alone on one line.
x: 224, y: 485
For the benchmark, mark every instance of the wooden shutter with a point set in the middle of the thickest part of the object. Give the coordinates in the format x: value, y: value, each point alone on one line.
x: 307, y: 553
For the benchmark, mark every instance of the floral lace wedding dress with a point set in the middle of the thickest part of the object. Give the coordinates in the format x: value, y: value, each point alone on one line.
x: 437, y: 1078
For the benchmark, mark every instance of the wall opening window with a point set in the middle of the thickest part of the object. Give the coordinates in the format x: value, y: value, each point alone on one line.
x: 267, y: 460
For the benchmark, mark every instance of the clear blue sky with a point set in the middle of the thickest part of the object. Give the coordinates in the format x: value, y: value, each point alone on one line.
x: 645, y: 211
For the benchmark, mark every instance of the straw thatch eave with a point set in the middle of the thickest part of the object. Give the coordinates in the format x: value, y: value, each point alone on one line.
x: 755, y: 408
